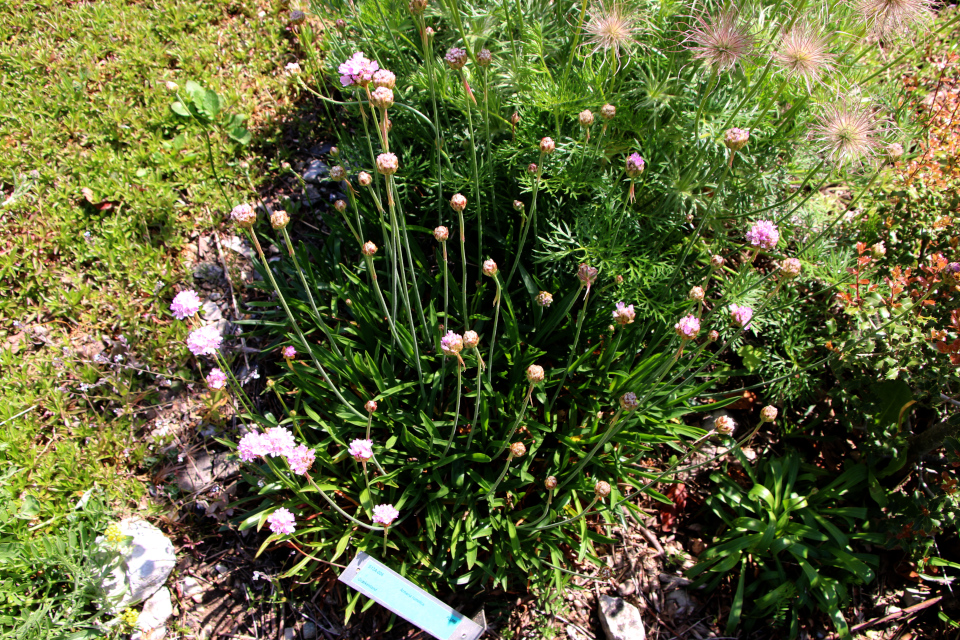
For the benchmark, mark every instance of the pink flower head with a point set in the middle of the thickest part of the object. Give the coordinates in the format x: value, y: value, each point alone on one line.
x: 282, y: 521
x: 624, y: 314
x: 289, y: 352
x: 251, y: 446
x: 216, y: 379
x: 385, y: 514
x: 185, y: 304
x: 763, y: 234
x: 361, y: 450
x: 635, y: 165
x: 278, y: 441
x: 451, y: 344
x: 688, y: 327
x: 204, y: 341
x: 300, y: 458
x: 357, y: 70
x: 741, y: 315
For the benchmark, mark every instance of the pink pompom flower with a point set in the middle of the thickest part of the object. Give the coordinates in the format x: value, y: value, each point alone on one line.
x: 282, y: 521
x: 763, y: 234
x: 278, y: 441
x: 204, y: 341
x: 216, y: 379
x: 358, y: 70
x: 185, y: 304
x: 289, y: 352
x: 300, y: 459
x: 251, y: 446
x: 741, y: 315
x: 361, y: 450
x: 624, y: 314
x: 688, y: 327
x: 385, y: 514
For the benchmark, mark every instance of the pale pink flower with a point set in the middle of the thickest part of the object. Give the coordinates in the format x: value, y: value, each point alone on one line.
x: 300, y: 458
x: 763, y: 234
x: 624, y: 314
x: 185, y: 304
x: 204, y: 341
x: 385, y: 514
x: 451, y: 344
x: 278, y: 441
x: 289, y: 352
x: 741, y: 315
x: 216, y: 379
x: 251, y: 446
x: 361, y: 450
x: 357, y: 70
x: 634, y: 165
x: 282, y: 521
x: 688, y: 327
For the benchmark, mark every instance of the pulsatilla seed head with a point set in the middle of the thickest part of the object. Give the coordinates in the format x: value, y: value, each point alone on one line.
x: 279, y: 219
x: 768, y: 413
x: 484, y: 57
x: 471, y: 339
x: 337, y: 173
x: 608, y: 111
x: 518, y: 450
x: 535, y: 374
x: 736, y: 139
x: 550, y: 483
x: 371, y: 406
x: 547, y: 145
x: 586, y: 118
x: 490, y: 268
x: 628, y: 401
x: 458, y: 202
x: 456, y: 58
x: 387, y: 164
x: 340, y: 205
x: 365, y: 179
x: 601, y: 489
x: 369, y: 249
x: 441, y: 234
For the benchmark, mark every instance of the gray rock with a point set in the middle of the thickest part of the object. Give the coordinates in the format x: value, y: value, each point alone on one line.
x: 190, y: 588
x: 156, y: 611
x: 311, y: 195
x: 204, y: 470
x: 211, y: 312
x: 145, y: 563
x: 309, y: 631
x: 620, y: 619
x: 208, y: 271
x: 314, y: 170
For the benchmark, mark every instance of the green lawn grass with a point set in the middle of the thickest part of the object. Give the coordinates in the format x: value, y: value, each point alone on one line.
x: 99, y: 187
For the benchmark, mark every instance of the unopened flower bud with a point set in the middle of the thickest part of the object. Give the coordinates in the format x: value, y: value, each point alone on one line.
x: 518, y: 450
x: 878, y: 250
x: 736, y: 139
x: 602, y: 489
x: 634, y: 165
x: 441, y: 234
x: 334, y: 152
x: 518, y: 205
x: 279, y: 219
x: 429, y: 31
x: 608, y: 111
x: 337, y: 173
x: 369, y: 249
x: 586, y: 118
x: 547, y: 145
x: 484, y: 57
x: 532, y: 168
x: 716, y: 261
x: 458, y: 202
x: 365, y: 179
x: 172, y: 86
x: 417, y: 6
x: 515, y: 118
x: 790, y: 268
x: 490, y: 268
x: 550, y: 483
x: 348, y: 302
x: 385, y: 79
x: 297, y: 17
x: 382, y: 97
x: 471, y: 339
x: 713, y: 336
x: 586, y: 275
x: 388, y: 123
x: 544, y: 299
x: 341, y: 24
x: 629, y: 402
x: 387, y: 164
x: 768, y: 414
x: 535, y: 374
x: 696, y: 294
x: 244, y: 215
x: 456, y: 58
x: 619, y: 279
x: 371, y: 406
x: 340, y: 205
x: 725, y: 425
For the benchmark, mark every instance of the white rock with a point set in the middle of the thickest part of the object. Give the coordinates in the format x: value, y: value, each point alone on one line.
x: 620, y: 619
x: 190, y: 588
x: 146, y: 562
x: 156, y: 611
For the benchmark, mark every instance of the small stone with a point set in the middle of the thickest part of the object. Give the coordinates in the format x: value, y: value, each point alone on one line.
x: 148, y: 559
x: 314, y: 170
x: 202, y: 471
x: 191, y: 588
x: 208, y: 271
x: 620, y: 619
x: 211, y: 312
x: 288, y: 633
x: 156, y: 611
x: 311, y: 195
x: 309, y: 631
x: 627, y: 589
x: 679, y: 604
x: 216, y: 295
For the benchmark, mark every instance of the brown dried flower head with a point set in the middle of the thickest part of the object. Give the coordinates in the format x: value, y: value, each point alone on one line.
x: 723, y: 41
x: 602, y: 489
x: 518, y: 450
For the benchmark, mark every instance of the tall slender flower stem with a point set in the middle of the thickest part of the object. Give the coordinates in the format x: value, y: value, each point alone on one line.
x: 546, y: 512
x: 476, y: 171
x: 476, y: 408
x: 503, y: 474
x: 428, y: 58
x: 383, y: 305
x: 585, y: 511
x: 488, y: 163
x: 296, y: 327
x: 403, y: 279
x: 401, y: 217
x: 573, y: 349
x: 456, y: 415
x: 339, y: 510
x: 496, y: 319
x: 516, y: 423
x: 526, y: 224
x: 446, y: 316
x: 463, y: 266
x: 306, y: 287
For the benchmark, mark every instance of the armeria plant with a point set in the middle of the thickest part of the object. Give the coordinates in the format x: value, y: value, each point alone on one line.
x: 467, y: 391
